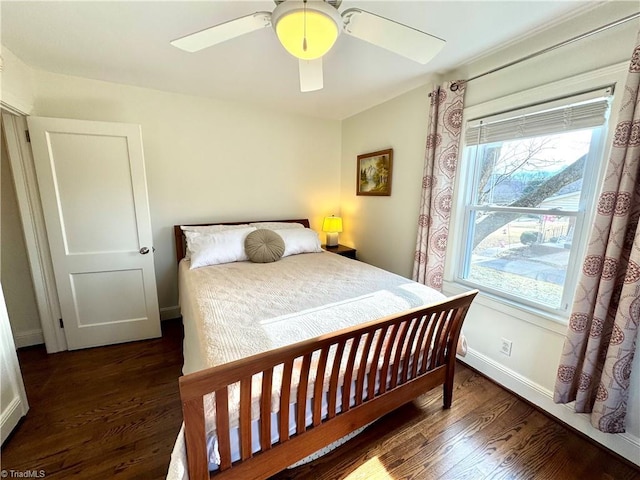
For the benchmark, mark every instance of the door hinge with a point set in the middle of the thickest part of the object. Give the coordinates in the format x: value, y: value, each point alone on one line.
x: 61, y: 324
x: 26, y: 134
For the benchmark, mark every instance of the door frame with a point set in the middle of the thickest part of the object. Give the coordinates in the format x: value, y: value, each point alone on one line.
x: 32, y: 217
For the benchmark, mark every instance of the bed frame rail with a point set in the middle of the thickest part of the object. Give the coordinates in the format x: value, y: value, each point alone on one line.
x: 370, y: 370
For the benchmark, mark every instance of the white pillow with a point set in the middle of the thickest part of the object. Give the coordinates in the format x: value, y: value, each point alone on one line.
x: 219, y: 247
x: 277, y: 225
x: 299, y: 240
x: 206, y: 229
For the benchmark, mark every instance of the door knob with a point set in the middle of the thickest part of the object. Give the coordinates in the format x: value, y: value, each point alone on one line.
x: 144, y: 250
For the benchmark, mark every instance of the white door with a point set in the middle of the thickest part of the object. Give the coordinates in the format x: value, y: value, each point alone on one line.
x: 93, y: 189
x: 13, y: 399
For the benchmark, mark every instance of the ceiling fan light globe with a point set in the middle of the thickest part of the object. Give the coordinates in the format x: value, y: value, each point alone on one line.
x: 321, y: 34
x: 323, y: 24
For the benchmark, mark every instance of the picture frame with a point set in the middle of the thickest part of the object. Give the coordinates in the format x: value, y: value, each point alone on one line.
x: 374, y: 173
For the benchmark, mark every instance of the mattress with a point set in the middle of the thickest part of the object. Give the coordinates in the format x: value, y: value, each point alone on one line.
x: 235, y: 310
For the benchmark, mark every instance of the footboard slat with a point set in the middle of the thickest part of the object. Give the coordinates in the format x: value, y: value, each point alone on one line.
x: 319, y: 387
x: 222, y: 427
x: 285, y: 395
x: 363, y: 368
x: 348, y: 375
x: 333, y: 384
x: 409, y: 350
x: 428, y: 350
x: 374, y: 367
x: 399, y: 347
x: 422, y: 340
x: 435, y: 354
x: 387, y: 357
x: 265, y: 409
x: 442, y: 340
x: 302, y: 394
x: 420, y: 349
x: 245, y: 418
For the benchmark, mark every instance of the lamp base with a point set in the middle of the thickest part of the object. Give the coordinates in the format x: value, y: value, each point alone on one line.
x: 332, y: 239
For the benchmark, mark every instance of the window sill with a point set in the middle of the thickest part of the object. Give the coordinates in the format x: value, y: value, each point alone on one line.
x: 546, y: 320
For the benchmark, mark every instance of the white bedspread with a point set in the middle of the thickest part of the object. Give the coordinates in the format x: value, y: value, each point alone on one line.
x: 235, y: 310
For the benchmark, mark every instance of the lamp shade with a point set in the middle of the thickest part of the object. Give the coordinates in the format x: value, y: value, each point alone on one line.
x: 332, y: 224
x: 306, y: 32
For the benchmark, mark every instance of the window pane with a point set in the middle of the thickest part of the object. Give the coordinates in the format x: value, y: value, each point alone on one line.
x: 526, y: 257
x: 542, y: 171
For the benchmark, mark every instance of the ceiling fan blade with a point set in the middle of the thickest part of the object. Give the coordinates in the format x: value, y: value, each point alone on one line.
x: 393, y: 36
x: 223, y: 32
x: 311, y: 75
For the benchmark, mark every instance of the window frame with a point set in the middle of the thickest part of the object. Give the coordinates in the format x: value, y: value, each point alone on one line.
x: 596, y: 148
x: 533, y: 311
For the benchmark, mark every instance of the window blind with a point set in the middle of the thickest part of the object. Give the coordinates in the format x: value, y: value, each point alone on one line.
x: 544, y: 119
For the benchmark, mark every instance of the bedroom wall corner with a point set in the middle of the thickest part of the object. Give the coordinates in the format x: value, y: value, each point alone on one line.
x: 16, y: 82
x: 384, y: 229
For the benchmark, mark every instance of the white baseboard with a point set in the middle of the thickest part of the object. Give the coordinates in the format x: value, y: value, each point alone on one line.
x: 169, y: 313
x: 29, y: 338
x: 35, y: 337
x: 10, y: 416
x: 624, y: 444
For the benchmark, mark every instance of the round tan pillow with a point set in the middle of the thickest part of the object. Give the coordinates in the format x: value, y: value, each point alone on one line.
x: 264, y: 246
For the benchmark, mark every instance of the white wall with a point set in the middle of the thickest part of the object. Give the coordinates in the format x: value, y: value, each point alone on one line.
x: 606, y: 48
x: 14, y: 264
x: 384, y: 229
x: 209, y: 160
x: 400, y: 123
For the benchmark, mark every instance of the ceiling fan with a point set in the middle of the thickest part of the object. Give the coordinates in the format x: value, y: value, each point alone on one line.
x: 308, y: 29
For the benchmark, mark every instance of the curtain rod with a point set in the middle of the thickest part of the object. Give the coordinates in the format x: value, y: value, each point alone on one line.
x: 553, y: 47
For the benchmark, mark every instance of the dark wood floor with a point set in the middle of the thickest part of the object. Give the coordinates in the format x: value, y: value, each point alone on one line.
x: 114, y: 412
x: 101, y: 413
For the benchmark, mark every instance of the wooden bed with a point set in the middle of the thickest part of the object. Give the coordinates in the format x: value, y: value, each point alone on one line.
x: 389, y: 362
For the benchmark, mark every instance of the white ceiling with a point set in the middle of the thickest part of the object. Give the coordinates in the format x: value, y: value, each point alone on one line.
x: 128, y: 42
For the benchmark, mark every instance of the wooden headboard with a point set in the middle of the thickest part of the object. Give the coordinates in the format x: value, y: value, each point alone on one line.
x: 180, y: 241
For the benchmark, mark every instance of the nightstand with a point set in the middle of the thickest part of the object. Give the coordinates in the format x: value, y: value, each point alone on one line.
x: 342, y: 250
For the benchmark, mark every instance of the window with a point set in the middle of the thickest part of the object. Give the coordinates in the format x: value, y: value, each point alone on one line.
x: 531, y: 178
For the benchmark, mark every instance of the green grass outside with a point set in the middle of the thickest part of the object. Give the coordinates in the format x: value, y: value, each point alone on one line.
x: 549, y: 294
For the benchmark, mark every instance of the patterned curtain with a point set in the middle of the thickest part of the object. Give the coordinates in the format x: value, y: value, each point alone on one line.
x: 595, y: 366
x: 441, y: 159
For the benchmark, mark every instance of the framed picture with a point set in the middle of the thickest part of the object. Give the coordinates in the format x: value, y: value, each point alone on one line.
x: 374, y: 173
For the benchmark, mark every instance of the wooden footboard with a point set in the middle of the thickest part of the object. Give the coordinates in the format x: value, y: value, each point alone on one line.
x: 361, y: 373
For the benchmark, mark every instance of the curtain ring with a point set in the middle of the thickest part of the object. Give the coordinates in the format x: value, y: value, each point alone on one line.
x: 454, y: 87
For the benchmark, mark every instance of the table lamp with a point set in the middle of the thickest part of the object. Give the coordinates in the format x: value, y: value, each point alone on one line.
x: 332, y: 226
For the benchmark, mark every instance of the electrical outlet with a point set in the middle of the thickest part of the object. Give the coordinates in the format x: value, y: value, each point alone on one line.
x: 506, y: 347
